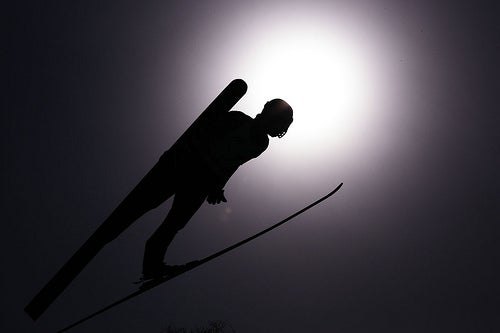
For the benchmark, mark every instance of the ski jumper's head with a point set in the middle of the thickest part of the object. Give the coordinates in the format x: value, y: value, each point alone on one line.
x: 276, y: 117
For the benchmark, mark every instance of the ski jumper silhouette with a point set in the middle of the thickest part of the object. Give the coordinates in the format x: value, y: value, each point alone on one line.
x: 197, y: 171
x: 196, y: 168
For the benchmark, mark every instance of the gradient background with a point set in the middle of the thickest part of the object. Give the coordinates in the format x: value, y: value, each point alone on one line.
x: 405, y: 114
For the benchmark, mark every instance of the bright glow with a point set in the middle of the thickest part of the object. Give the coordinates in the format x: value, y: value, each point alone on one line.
x: 321, y: 77
x: 338, y: 75
x: 325, y: 75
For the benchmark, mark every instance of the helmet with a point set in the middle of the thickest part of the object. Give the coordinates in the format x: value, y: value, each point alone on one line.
x: 278, y: 116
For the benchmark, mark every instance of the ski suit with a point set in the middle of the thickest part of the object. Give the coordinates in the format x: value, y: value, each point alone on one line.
x: 189, y: 171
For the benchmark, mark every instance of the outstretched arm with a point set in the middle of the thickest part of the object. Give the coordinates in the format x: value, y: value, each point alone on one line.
x: 216, y: 197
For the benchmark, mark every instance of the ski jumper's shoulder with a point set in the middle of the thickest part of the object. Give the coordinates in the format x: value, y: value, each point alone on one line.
x: 240, y: 120
x: 237, y: 118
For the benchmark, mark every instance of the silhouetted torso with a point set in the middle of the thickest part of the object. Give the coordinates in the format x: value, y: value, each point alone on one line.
x: 217, y: 150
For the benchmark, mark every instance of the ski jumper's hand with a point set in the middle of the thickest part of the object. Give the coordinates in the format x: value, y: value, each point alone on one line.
x: 216, y: 197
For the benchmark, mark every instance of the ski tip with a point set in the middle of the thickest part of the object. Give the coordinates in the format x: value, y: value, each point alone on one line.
x: 239, y: 82
x: 335, y: 190
x: 239, y: 86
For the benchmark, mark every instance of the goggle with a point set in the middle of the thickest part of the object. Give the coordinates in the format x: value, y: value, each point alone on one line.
x: 282, y: 134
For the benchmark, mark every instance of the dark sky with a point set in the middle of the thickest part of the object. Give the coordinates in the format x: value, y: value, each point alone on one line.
x: 95, y: 92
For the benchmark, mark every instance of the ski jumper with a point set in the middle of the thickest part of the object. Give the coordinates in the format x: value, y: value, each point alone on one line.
x: 189, y: 172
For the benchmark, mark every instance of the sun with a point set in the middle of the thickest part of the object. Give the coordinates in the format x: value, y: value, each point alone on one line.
x: 322, y: 76
x: 338, y: 73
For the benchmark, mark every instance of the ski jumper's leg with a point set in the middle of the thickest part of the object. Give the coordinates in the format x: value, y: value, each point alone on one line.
x: 152, y: 190
x: 186, y: 202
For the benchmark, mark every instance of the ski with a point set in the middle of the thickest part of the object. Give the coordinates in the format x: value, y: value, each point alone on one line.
x: 150, y: 284
x: 233, y: 92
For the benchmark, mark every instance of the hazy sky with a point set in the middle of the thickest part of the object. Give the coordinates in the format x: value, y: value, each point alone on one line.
x: 396, y: 99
